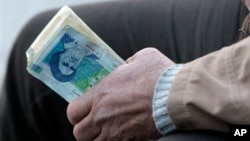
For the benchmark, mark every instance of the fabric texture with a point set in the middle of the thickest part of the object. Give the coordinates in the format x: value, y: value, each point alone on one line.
x: 182, y: 30
x: 159, y: 107
x: 214, y: 89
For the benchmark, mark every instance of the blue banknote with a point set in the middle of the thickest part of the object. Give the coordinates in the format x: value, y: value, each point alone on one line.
x: 72, y: 63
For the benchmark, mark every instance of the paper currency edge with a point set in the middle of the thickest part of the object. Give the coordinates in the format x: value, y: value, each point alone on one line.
x: 55, y: 24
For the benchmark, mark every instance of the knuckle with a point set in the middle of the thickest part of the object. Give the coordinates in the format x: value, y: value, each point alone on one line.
x: 150, y: 50
x: 147, y: 51
x: 100, y: 117
x: 72, y: 114
x: 77, y: 132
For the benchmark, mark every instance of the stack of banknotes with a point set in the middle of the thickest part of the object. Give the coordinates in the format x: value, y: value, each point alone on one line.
x: 69, y: 57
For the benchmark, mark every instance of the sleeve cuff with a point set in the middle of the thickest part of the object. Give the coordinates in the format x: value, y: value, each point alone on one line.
x: 160, y: 115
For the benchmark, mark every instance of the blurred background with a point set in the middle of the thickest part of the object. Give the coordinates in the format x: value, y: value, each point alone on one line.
x: 14, y: 14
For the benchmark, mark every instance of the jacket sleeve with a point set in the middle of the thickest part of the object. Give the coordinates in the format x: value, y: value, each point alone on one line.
x: 213, y: 91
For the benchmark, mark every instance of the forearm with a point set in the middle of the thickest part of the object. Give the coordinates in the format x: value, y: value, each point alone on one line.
x: 160, y: 113
x: 213, y: 91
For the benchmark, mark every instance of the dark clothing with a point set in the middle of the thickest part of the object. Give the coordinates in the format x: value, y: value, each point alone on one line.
x: 181, y: 29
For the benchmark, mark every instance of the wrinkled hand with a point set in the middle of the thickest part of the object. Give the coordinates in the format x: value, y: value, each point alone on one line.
x: 119, y: 108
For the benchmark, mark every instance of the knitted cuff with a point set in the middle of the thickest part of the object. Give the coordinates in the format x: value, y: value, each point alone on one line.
x: 159, y: 105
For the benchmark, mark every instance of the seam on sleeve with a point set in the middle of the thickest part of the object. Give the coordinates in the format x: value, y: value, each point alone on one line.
x: 185, y: 98
x: 238, y: 98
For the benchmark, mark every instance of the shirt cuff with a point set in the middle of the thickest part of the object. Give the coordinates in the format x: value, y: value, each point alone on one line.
x: 160, y: 114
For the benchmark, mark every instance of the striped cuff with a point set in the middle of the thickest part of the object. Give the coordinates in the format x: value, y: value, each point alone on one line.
x: 161, y: 118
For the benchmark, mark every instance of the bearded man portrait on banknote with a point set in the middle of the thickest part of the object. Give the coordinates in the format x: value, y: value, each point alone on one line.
x: 65, y: 63
x: 186, y: 76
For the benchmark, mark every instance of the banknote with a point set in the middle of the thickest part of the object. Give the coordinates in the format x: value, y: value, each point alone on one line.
x: 69, y: 57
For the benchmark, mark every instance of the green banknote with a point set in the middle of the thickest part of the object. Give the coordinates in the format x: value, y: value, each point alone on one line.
x: 69, y: 57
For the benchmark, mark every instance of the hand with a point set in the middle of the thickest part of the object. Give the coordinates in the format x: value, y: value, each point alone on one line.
x: 119, y: 108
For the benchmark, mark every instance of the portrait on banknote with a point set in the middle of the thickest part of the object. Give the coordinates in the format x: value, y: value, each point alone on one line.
x: 67, y: 56
x: 73, y: 58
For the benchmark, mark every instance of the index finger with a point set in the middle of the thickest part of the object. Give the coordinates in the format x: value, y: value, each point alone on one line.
x: 79, y: 108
